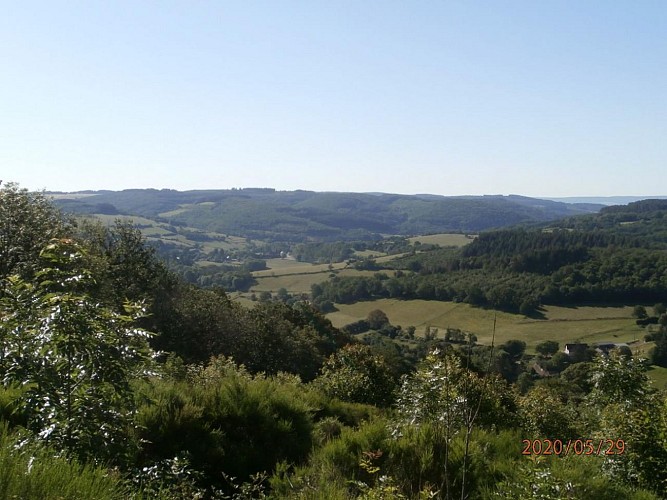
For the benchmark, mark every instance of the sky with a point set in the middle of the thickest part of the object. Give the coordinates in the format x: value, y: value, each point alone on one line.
x: 538, y: 98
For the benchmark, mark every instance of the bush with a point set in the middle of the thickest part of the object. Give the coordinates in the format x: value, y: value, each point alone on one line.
x: 356, y: 375
x: 231, y: 423
x: 331, y: 466
x: 547, y: 348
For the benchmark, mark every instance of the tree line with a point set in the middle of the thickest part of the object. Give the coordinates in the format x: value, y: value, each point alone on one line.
x: 518, y: 270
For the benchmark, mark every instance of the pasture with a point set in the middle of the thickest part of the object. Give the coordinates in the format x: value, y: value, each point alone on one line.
x: 172, y: 213
x: 370, y: 254
x: 283, y: 267
x: 293, y: 283
x: 444, y: 239
x: 387, y: 258
x: 157, y: 231
x: 298, y: 277
x: 563, y: 324
x: 658, y: 375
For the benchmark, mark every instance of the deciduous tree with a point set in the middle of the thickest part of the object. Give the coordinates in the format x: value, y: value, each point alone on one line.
x: 28, y: 221
x: 74, y: 356
x: 547, y: 348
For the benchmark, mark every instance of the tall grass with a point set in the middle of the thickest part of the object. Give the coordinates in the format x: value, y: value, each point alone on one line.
x: 30, y: 471
x: 413, y: 461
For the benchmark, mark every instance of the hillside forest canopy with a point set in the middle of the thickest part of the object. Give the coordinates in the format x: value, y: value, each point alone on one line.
x: 123, y: 376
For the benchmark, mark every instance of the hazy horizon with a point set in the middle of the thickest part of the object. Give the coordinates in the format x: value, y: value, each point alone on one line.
x: 604, y: 200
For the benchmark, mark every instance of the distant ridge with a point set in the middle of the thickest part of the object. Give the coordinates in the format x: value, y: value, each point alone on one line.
x: 264, y: 213
x: 605, y: 200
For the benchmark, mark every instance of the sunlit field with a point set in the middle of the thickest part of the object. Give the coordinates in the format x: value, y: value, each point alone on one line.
x: 443, y: 239
x: 563, y: 324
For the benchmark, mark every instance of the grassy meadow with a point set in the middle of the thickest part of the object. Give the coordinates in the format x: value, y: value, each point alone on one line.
x: 298, y: 277
x: 284, y: 267
x: 563, y: 324
x: 588, y: 324
x: 294, y: 276
x: 154, y: 231
x: 443, y: 239
x: 368, y: 254
x: 293, y: 283
x: 659, y: 376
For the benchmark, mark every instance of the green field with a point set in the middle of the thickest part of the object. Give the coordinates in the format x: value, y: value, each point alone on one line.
x: 157, y: 231
x: 110, y: 219
x: 656, y: 373
x: 68, y: 196
x: 185, y: 207
x: 444, y: 239
x: 370, y: 254
x: 659, y: 377
x: 387, y: 258
x: 242, y: 299
x: 298, y: 277
x: 293, y: 283
x: 563, y: 324
x: 356, y: 272
x: 172, y: 213
x: 282, y: 267
x: 299, y: 282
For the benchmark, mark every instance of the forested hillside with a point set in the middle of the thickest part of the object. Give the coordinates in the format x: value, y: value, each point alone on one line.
x: 118, y: 380
x: 295, y: 216
x: 617, y: 256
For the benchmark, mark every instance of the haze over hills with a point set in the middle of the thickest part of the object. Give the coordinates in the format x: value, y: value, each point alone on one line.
x: 605, y: 200
x: 301, y: 215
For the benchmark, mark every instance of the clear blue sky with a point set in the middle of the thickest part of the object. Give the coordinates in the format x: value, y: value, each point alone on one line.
x: 541, y: 98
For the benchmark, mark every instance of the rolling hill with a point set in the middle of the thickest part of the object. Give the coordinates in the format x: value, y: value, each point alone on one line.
x: 268, y: 214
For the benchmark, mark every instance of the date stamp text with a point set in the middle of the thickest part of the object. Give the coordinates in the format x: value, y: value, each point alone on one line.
x: 573, y: 447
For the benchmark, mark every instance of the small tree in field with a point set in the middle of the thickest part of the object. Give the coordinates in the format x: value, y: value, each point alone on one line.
x: 75, y: 357
x: 377, y: 319
x: 639, y: 312
x: 547, y: 348
x: 515, y: 348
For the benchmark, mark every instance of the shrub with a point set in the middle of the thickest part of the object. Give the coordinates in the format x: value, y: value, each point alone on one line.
x: 357, y: 375
x: 231, y: 423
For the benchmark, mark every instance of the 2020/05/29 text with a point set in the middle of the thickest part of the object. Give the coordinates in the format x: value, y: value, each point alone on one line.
x: 573, y: 446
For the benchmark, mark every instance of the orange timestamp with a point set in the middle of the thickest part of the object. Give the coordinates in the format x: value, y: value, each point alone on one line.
x: 573, y: 447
